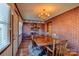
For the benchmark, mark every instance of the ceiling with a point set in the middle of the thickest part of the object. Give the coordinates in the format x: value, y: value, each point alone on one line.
x: 29, y: 11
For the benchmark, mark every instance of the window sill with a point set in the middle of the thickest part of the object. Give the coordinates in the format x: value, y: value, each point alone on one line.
x: 3, y: 49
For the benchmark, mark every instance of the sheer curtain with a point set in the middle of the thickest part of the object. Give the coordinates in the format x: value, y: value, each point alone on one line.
x: 4, y: 25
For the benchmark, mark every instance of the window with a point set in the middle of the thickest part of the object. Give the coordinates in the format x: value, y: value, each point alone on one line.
x: 49, y: 27
x: 20, y: 28
x: 4, y: 26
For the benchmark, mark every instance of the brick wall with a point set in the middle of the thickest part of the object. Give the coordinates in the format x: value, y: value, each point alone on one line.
x: 66, y: 26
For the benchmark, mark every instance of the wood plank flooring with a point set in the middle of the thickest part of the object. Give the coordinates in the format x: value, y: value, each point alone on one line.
x: 23, y: 49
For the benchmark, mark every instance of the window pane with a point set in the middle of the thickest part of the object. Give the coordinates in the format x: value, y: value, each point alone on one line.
x: 4, y: 38
x: 4, y: 12
x: 4, y: 26
x: 20, y: 28
x: 0, y: 34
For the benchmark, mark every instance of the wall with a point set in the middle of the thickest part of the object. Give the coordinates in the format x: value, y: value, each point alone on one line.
x: 15, y: 32
x: 15, y: 38
x: 20, y: 35
x: 66, y: 26
x: 27, y: 27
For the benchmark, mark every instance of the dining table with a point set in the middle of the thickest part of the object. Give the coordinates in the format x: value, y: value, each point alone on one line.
x: 43, y: 40
x: 46, y: 41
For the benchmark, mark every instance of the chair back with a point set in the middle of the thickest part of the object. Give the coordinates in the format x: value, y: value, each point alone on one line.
x: 61, y: 48
x: 58, y: 49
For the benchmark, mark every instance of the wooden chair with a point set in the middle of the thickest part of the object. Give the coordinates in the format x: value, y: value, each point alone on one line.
x: 61, y: 48
x: 51, y: 49
x: 58, y: 49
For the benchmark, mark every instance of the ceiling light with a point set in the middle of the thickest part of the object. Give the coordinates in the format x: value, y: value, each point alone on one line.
x: 43, y: 15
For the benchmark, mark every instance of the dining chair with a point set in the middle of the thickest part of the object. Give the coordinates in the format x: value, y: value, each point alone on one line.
x: 51, y: 49
x: 61, y: 48
x: 57, y: 49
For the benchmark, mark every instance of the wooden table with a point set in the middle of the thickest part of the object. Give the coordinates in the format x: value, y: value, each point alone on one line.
x: 43, y: 40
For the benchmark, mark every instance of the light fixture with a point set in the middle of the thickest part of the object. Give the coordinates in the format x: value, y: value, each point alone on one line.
x: 43, y: 15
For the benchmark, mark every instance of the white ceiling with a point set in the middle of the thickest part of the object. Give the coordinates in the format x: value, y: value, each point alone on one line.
x: 29, y: 11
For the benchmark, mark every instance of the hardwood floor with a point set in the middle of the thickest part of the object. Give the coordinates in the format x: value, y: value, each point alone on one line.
x: 23, y: 49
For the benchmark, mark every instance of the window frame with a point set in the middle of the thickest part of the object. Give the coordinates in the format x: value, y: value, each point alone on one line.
x: 8, y: 32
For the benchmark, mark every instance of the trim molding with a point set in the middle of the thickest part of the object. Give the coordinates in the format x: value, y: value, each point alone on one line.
x: 18, y: 10
x: 61, y: 14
